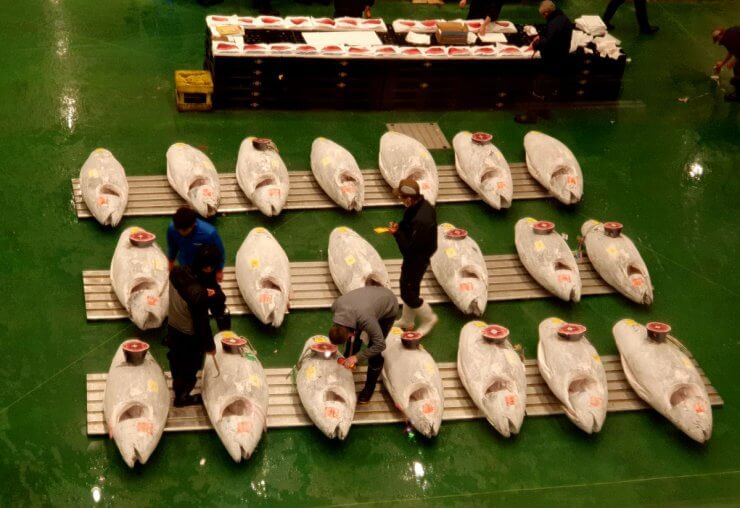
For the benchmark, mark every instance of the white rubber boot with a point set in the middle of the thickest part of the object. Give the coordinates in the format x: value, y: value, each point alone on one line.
x: 407, y: 318
x: 427, y: 317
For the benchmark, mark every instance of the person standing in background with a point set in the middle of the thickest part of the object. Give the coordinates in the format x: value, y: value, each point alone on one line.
x: 640, y: 11
x: 487, y: 10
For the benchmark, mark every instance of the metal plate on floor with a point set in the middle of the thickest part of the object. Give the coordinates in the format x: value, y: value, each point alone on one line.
x: 152, y: 195
x: 285, y: 409
x: 427, y: 133
x: 313, y: 287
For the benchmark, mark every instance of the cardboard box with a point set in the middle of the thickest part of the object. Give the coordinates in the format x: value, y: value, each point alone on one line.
x: 451, y: 32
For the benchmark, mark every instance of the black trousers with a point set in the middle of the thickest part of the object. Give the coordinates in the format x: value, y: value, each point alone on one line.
x: 735, y: 80
x: 640, y: 12
x: 412, y: 271
x: 186, y: 357
x: 374, y: 363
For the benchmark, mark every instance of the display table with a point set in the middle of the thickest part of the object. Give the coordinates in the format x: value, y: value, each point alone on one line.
x: 273, y: 67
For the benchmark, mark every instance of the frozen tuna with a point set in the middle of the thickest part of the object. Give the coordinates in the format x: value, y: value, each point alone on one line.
x: 136, y: 402
x: 404, y: 157
x: 263, y: 276
x: 326, y: 388
x: 572, y: 369
x: 553, y: 165
x: 338, y: 174
x: 664, y: 377
x: 262, y: 175
x: 104, y: 187
x: 483, y: 167
x: 193, y: 176
x: 460, y: 269
x: 547, y: 258
x: 617, y: 260
x: 140, y: 279
x: 235, y: 395
x: 493, y: 375
x: 353, y: 262
x: 412, y: 378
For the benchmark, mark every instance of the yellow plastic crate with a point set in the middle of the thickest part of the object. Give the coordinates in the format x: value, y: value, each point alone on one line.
x: 193, y: 90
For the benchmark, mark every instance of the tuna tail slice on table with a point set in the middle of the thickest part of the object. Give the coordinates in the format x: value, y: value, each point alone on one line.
x: 548, y: 259
x: 554, y: 166
x: 459, y: 267
x: 665, y: 377
x: 353, y: 262
x: 338, y: 174
x: 402, y: 157
x: 483, y: 167
x: 135, y: 404
x: 326, y: 388
x: 617, y: 260
x: 262, y: 175
x: 104, y: 187
x: 193, y: 176
x: 493, y: 374
x: 263, y: 276
x: 235, y: 394
x: 411, y: 376
x: 140, y: 279
x: 572, y: 369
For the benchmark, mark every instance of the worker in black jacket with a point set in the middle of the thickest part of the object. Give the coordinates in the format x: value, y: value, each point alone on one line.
x: 193, y: 292
x: 640, y: 12
x: 416, y: 236
x: 487, y: 10
x: 353, y: 8
x: 554, y: 47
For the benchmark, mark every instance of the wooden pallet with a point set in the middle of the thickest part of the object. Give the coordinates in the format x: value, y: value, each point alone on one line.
x: 152, y: 195
x: 285, y: 409
x: 313, y: 287
x: 428, y: 133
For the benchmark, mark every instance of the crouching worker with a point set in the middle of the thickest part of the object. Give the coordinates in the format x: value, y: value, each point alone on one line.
x: 193, y: 293
x: 371, y: 310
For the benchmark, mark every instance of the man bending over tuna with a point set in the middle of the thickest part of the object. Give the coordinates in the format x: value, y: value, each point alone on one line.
x: 416, y: 236
x: 370, y: 309
x: 186, y: 234
x: 193, y: 292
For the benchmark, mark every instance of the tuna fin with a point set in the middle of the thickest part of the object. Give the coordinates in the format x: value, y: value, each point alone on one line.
x: 542, y: 362
x: 636, y: 386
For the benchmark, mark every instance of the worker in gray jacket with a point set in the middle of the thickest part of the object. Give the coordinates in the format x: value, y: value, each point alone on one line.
x: 371, y: 310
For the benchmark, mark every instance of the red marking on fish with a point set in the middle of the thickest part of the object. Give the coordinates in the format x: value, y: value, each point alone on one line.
x: 152, y: 300
x: 145, y: 427
x: 243, y: 427
x: 510, y: 400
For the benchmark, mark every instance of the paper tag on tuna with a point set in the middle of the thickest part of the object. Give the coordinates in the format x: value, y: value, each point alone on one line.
x: 479, y: 324
x: 92, y: 173
x: 255, y: 380
x: 447, y: 226
x: 686, y: 362
x: 451, y: 252
x: 612, y: 251
x: 325, y: 161
x: 557, y: 321
x: 596, y: 358
x: 250, y: 356
x: 254, y: 263
x: 396, y: 331
x: 342, y: 229
x: 152, y: 386
x: 260, y: 230
x: 539, y: 246
x: 274, y: 163
x: 630, y: 322
x: 311, y: 373
x: 320, y: 339
x: 530, y: 220
x: 157, y: 263
x: 430, y: 368
x: 350, y: 260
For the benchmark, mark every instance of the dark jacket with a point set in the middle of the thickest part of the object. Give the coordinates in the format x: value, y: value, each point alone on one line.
x: 731, y: 41
x: 351, y: 8
x: 417, y: 232
x: 480, y: 9
x: 188, y: 309
x: 362, y: 310
x: 554, y: 43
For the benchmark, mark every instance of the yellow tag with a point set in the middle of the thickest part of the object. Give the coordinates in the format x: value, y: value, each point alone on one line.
x: 92, y: 173
x: 430, y: 368
x: 630, y: 322
x: 255, y: 380
x: 479, y: 324
x: 557, y: 321
x: 228, y: 334
x: 396, y: 331
x: 254, y: 263
x: 447, y: 226
x: 597, y: 358
x: 451, y: 252
x: 136, y: 229
x: 350, y: 260
x: 152, y: 386
x: 320, y: 339
x: 342, y: 229
x: 157, y: 263
x: 530, y: 220
x: 539, y: 246
x: 260, y: 230
x: 274, y: 163
x: 325, y: 161
x: 99, y: 150
x: 311, y: 373
x: 686, y: 361
x: 612, y: 251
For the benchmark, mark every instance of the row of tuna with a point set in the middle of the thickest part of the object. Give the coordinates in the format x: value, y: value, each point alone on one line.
x: 236, y: 396
x: 263, y: 176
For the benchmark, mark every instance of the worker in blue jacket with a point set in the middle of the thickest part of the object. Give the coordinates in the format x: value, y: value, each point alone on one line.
x: 186, y: 234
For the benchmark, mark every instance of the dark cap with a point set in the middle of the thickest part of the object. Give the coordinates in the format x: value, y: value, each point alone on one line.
x: 408, y: 188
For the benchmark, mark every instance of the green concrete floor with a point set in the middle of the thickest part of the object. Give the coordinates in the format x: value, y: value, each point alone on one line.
x: 79, y: 74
